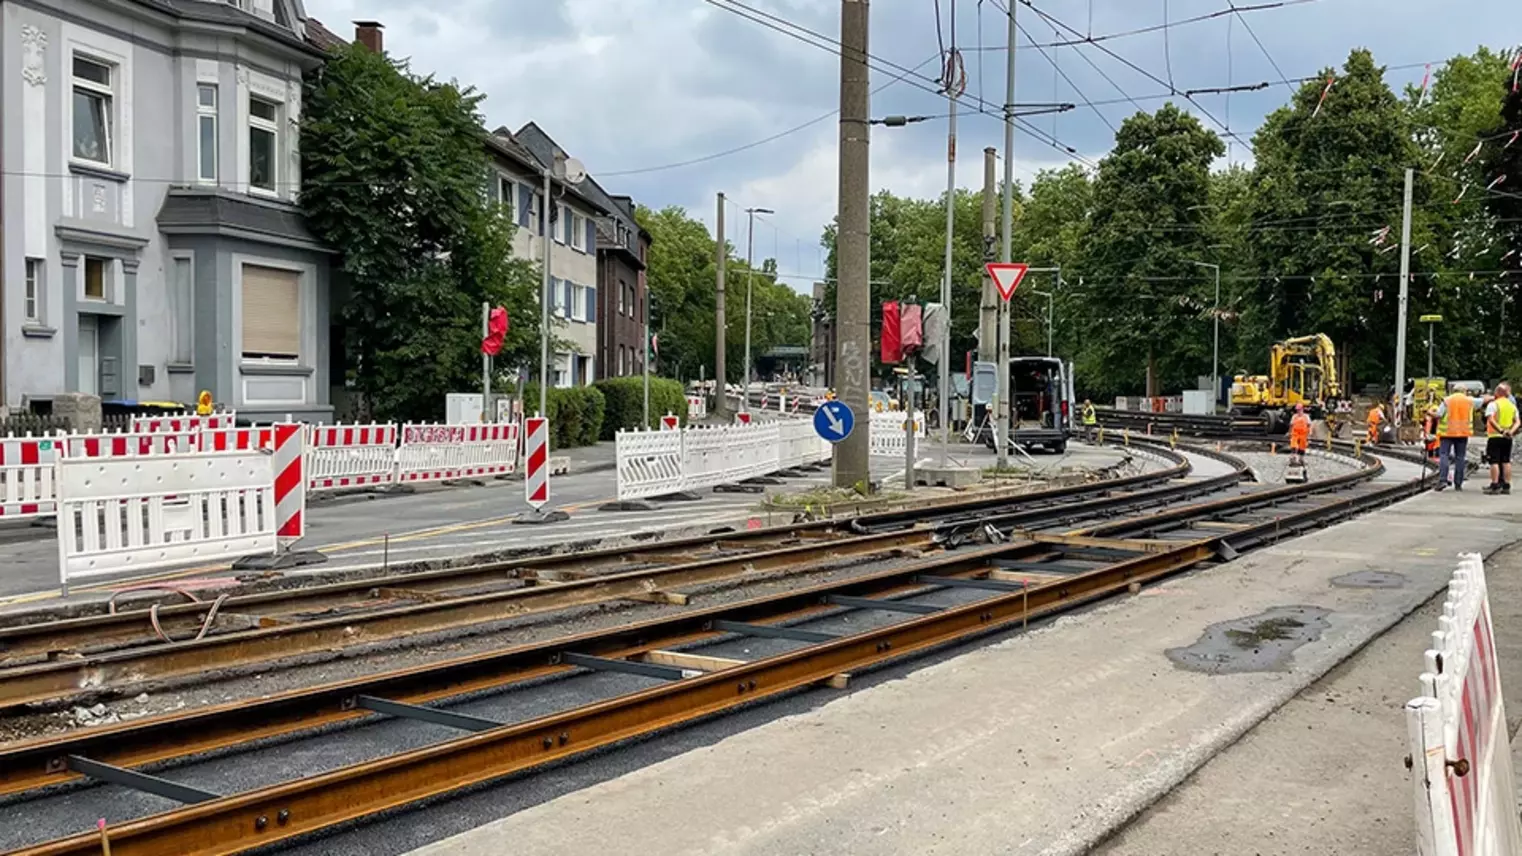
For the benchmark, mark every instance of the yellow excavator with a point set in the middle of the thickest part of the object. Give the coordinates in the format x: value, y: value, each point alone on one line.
x: 1302, y: 370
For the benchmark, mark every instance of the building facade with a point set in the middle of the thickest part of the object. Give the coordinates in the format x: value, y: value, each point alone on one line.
x: 519, y: 161
x: 151, y: 245
x: 622, y: 251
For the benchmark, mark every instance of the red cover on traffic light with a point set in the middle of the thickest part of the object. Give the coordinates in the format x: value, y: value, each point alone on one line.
x: 892, y: 345
x: 496, y: 331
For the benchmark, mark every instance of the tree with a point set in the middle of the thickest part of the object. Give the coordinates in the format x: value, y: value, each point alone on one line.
x: 1142, y: 298
x: 393, y: 171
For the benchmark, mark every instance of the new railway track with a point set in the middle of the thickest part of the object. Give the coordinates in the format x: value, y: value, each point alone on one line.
x: 691, y: 665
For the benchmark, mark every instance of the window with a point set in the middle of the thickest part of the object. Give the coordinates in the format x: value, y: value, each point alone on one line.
x: 578, y: 228
x: 36, y: 270
x: 533, y: 214
x: 578, y: 303
x: 96, y: 271
x: 557, y: 297
x: 182, y: 309
x: 271, y: 319
x: 505, y: 189
x: 206, y: 132
x: 623, y: 294
x: 263, y: 143
x: 560, y: 228
x: 92, y: 110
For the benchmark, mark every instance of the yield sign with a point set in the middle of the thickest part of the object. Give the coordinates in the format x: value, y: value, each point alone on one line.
x: 1006, y: 277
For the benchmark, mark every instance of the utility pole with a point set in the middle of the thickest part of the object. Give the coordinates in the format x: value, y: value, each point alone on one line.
x: 646, y: 361
x: 721, y: 253
x: 1006, y: 246
x: 1405, y: 285
x: 488, y: 414
x: 750, y: 276
x: 988, y: 308
x: 546, y: 240
x: 853, y: 294
x: 944, y: 386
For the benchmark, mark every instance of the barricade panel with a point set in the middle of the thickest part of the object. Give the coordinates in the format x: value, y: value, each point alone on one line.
x: 649, y: 463
x: 887, y: 437
x: 449, y: 452
x: 343, y: 457
x: 26, y: 477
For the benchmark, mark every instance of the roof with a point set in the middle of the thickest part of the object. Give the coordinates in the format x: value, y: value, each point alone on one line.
x: 322, y: 37
x: 543, y: 148
x: 502, y: 142
x: 226, y: 13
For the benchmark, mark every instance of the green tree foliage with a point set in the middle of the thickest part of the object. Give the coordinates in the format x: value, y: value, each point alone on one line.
x: 624, y: 399
x: 576, y: 414
x: 682, y: 282
x: 1144, y: 301
x: 393, y: 174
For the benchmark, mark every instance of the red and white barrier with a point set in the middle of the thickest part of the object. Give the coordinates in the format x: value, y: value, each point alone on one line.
x: 1460, y: 749
x: 26, y: 478
x: 697, y: 407
x: 669, y: 422
x: 237, y: 440
x: 290, y: 483
x: 343, y: 457
x: 742, y: 418
x: 536, y: 480
x: 128, y: 444
x: 432, y: 453
x: 183, y: 423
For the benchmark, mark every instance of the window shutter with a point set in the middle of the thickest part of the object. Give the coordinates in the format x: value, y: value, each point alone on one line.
x: 525, y: 198
x: 554, y: 294
x: 591, y: 236
x: 566, y: 296
x: 592, y: 305
x: 271, y: 319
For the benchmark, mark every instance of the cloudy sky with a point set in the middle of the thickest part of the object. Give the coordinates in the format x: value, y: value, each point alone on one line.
x: 633, y: 86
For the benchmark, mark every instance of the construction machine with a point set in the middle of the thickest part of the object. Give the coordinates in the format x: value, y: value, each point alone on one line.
x: 1302, y: 370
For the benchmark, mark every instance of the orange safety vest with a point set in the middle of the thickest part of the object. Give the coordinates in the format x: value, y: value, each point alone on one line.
x: 1460, y: 415
x: 1299, y: 432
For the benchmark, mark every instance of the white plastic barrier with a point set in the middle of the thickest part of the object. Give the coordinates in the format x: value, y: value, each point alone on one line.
x: 129, y: 444
x: 649, y: 463
x: 183, y: 423
x: 26, y: 477
x: 342, y: 457
x: 697, y: 407
x: 707, y: 458
x: 887, y: 437
x: 139, y: 513
x: 1460, y: 751
x: 799, y: 445
x: 431, y: 453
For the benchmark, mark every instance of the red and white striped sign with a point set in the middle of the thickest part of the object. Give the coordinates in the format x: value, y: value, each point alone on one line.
x: 536, y: 482
x: 26, y: 478
x: 290, y: 483
x: 742, y: 418
x: 237, y: 439
x: 670, y: 422
x: 351, y: 456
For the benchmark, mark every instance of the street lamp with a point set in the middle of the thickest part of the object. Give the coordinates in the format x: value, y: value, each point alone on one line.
x: 1048, y: 295
x: 750, y: 275
x: 1215, y: 358
x: 1431, y: 321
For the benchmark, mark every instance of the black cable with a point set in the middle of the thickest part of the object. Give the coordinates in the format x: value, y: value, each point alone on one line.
x: 1270, y: 57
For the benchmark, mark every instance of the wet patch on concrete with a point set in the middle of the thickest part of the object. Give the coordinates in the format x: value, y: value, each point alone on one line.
x: 1371, y: 580
x: 1257, y: 643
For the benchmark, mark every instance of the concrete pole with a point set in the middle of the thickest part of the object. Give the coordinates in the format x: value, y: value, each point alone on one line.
x: 750, y: 278
x: 944, y: 386
x: 908, y: 395
x: 721, y: 255
x: 1405, y: 286
x: 646, y: 361
x: 1006, y: 244
x: 1215, y: 357
x: 988, y: 307
x: 546, y: 240
x: 853, y: 294
x: 487, y: 413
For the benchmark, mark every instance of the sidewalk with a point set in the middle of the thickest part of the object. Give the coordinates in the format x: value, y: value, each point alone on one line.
x: 1048, y: 742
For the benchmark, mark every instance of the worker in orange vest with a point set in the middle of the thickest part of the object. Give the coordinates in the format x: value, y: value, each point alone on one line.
x: 1455, y: 427
x: 1299, y: 435
x: 1430, y: 432
x: 1376, y: 416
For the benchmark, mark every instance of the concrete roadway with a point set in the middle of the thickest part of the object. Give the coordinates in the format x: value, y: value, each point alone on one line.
x: 447, y: 522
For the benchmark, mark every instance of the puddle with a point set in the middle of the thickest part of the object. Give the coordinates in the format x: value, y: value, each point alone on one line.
x: 1258, y: 643
x: 1370, y: 580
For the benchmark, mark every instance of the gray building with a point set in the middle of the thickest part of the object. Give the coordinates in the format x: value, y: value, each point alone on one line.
x: 151, y: 243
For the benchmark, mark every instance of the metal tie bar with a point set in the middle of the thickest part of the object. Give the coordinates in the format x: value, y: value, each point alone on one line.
x: 875, y: 603
x: 772, y: 631
x: 140, y: 781
x: 1037, y: 567
x: 962, y: 582
x: 402, y: 710
x: 628, y: 667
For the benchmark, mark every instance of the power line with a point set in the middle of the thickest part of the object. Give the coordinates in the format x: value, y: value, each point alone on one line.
x: 1219, y: 13
x: 1240, y: 17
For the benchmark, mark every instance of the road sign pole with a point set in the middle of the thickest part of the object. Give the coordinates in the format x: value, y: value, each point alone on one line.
x: 909, y: 425
x: 1006, y: 277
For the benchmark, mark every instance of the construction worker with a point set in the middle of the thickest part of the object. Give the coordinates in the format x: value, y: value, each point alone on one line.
x: 1299, y: 435
x: 1090, y: 420
x: 1376, y: 416
x: 1430, y: 421
x: 1455, y: 427
x: 1500, y: 427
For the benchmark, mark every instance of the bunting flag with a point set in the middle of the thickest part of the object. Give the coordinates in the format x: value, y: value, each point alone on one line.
x: 1472, y: 154
x: 1514, y: 135
x: 1426, y: 78
x: 496, y: 331
x: 1492, y: 185
x: 1324, y: 93
x: 1463, y: 190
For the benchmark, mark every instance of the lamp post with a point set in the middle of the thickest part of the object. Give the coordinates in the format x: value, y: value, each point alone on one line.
x: 1215, y: 359
x: 1431, y: 321
x: 750, y: 276
x: 1048, y: 295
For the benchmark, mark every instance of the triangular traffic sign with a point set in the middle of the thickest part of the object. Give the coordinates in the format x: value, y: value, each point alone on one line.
x: 1006, y: 277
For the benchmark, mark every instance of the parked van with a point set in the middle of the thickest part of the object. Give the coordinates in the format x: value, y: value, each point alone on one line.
x: 1041, y: 403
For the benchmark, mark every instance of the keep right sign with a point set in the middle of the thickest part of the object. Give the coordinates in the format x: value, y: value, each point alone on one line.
x: 1006, y: 277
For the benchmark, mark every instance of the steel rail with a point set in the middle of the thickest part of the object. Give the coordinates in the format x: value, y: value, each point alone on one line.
x: 280, y: 812
x: 108, y: 631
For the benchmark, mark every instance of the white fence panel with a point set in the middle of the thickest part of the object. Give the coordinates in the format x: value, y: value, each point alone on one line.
x: 342, y: 457
x: 128, y: 444
x: 26, y: 477
x: 800, y: 445
x: 887, y: 437
x: 1465, y: 793
x: 697, y: 406
x: 448, y: 452
x: 707, y: 459
x: 649, y: 463
x: 116, y: 514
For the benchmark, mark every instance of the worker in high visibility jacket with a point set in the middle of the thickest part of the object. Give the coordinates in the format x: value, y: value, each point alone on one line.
x: 1500, y: 427
x: 1376, y: 416
x: 1455, y: 427
x: 1430, y: 421
x: 1299, y: 434
x: 1090, y: 420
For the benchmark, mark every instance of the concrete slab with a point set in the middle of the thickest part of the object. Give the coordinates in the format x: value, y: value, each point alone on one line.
x: 1044, y: 743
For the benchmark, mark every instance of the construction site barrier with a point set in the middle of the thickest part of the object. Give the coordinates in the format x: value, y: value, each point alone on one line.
x: 345, y: 457
x: 649, y: 463
x: 799, y: 445
x: 237, y: 439
x: 667, y: 463
x: 129, y: 444
x: 183, y: 423
x: 144, y: 512
x: 887, y: 432
x: 26, y: 478
x: 697, y: 407
x: 433, y: 453
x: 1460, y: 751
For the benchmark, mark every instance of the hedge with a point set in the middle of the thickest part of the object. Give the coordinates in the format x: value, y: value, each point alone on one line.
x: 576, y: 414
x: 625, y: 398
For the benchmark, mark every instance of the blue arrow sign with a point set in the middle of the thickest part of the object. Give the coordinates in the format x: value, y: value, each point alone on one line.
x: 833, y: 421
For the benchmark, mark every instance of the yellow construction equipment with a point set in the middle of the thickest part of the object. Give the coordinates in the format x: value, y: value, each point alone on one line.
x: 1302, y: 370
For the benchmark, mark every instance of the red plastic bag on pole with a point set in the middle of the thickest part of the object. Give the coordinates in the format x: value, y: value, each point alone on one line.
x: 496, y: 331
x: 892, y: 348
x: 910, y: 328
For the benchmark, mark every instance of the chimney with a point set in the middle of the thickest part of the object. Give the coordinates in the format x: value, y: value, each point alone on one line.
x: 368, y: 33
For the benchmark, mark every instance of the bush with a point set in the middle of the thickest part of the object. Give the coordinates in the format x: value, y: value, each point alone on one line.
x: 576, y: 414
x: 625, y: 397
